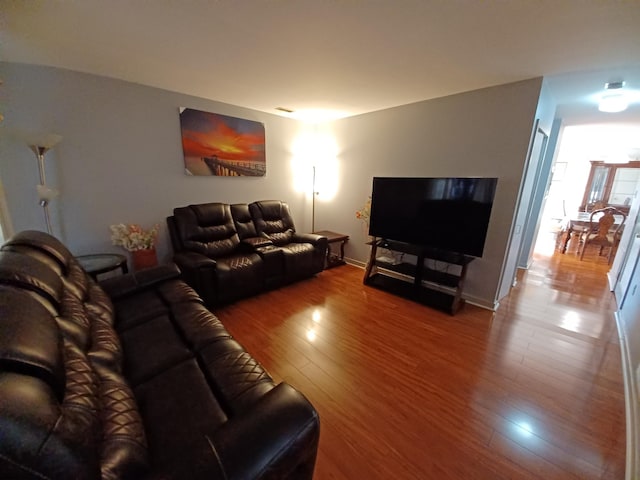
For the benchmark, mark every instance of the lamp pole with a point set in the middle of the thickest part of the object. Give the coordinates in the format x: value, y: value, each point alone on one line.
x: 40, y: 151
x: 45, y: 194
x: 42, y: 187
x: 313, y: 202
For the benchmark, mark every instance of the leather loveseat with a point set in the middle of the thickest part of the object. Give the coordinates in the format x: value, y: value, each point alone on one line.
x: 227, y: 252
x: 132, y: 378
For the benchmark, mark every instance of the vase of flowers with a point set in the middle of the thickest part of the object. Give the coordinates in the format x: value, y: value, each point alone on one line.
x: 141, y: 243
x: 364, y: 214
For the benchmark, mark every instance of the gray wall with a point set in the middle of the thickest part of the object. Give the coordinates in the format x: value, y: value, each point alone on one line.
x: 120, y: 159
x: 481, y: 133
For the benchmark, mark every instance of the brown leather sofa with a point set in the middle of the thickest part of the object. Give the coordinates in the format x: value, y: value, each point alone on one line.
x: 132, y: 378
x: 227, y: 252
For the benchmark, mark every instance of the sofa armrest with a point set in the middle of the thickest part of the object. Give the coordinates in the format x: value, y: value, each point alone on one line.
x: 193, y: 261
x: 200, y: 273
x: 281, y: 431
x: 320, y: 246
x: 130, y: 283
x: 318, y: 241
x: 256, y: 242
x: 312, y: 238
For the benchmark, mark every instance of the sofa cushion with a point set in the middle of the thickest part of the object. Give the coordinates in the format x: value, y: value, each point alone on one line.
x: 239, y: 275
x: 181, y: 414
x: 48, y: 249
x: 207, y: 229
x: 273, y: 219
x: 29, y: 447
x: 298, y: 260
x: 30, y: 274
x: 152, y: 347
x: 30, y: 343
x: 134, y: 310
x: 243, y: 221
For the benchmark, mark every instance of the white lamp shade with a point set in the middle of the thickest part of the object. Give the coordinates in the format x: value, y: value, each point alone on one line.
x: 47, y: 193
x: 47, y: 141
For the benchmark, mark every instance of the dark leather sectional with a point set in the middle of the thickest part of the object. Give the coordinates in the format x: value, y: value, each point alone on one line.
x: 133, y: 378
x: 227, y: 252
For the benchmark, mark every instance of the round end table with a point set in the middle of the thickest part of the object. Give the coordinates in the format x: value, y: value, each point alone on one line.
x: 99, y: 263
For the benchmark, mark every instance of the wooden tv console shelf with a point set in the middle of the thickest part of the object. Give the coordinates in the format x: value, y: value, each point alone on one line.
x: 434, y: 287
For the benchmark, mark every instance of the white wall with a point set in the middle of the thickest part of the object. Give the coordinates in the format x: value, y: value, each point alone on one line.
x: 120, y: 159
x: 628, y: 320
x: 545, y: 141
x: 481, y: 133
x: 526, y: 210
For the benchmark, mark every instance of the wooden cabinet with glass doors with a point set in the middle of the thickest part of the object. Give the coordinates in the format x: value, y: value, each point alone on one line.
x: 611, y: 185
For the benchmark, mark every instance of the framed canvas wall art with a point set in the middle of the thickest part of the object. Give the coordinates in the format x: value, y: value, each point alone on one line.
x: 220, y: 145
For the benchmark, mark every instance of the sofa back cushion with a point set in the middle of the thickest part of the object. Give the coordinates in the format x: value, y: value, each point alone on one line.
x: 207, y: 228
x: 273, y: 219
x: 69, y: 410
x: 243, y: 221
x: 44, y: 247
x: 32, y: 276
x: 49, y: 408
x: 54, y: 259
x: 30, y: 342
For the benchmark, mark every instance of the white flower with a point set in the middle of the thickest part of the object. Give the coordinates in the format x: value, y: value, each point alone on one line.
x: 132, y: 237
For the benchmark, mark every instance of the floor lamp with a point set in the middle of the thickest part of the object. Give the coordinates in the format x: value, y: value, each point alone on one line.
x: 313, y: 202
x: 45, y: 193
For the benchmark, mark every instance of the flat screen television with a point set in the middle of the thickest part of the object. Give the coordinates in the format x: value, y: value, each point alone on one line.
x: 450, y: 214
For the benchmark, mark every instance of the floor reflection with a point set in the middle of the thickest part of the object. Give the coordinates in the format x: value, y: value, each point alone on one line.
x: 531, y: 391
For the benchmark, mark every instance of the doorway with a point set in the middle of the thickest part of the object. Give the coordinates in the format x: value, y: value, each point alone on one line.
x: 579, y: 148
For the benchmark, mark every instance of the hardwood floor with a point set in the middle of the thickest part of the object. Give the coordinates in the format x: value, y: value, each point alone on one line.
x: 532, y: 391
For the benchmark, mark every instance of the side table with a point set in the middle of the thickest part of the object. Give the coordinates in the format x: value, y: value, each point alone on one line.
x: 99, y: 263
x: 333, y: 259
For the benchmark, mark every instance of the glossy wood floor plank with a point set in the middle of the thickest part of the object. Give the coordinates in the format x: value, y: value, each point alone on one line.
x: 532, y: 391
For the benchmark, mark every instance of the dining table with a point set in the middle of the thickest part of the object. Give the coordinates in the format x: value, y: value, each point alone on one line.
x: 578, y: 222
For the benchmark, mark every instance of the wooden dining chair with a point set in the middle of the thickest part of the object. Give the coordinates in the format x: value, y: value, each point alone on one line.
x: 594, y: 207
x: 603, y: 231
x: 558, y: 227
x: 599, y: 205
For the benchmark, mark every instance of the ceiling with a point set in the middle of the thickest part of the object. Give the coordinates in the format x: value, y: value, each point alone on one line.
x: 335, y: 58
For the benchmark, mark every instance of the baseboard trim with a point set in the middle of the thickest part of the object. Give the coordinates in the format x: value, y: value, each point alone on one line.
x: 631, y: 404
x: 481, y: 303
x: 355, y: 263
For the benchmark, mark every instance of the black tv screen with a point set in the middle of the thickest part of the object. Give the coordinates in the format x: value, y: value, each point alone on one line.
x: 450, y: 214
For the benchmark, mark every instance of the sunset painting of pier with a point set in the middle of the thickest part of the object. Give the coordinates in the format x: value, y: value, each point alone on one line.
x: 220, y: 145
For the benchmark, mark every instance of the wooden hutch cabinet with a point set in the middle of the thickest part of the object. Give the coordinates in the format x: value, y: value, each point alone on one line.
x: 611, y: 184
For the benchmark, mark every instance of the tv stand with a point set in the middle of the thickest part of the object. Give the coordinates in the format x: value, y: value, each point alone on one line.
x: 434, y: 287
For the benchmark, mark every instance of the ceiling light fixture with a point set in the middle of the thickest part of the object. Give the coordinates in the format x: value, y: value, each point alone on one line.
x: 614, y: 99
